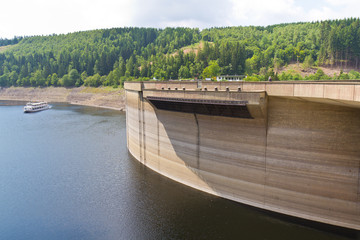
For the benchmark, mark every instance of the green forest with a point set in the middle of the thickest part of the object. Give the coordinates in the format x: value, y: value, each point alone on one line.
x: 108, y: 57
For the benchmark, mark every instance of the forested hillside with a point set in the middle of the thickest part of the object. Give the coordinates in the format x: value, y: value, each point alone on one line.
x: 110, y: 56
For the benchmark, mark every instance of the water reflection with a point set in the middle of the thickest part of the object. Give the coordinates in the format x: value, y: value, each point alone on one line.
x: 179, y: 212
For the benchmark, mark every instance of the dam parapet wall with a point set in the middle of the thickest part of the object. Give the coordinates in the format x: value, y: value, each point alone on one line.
x: 343, y: 92
x: 292, y: 148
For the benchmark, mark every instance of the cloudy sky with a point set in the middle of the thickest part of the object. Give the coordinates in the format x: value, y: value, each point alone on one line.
x: 44, y: 17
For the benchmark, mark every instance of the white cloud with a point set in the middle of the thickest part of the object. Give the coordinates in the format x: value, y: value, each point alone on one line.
x: 335, y: 9
x: 43, y: 17
x: 345, y: 8
x: 343, y: 2
x: 259, y: 12
x: 324, y: 13
x: 188, y: 13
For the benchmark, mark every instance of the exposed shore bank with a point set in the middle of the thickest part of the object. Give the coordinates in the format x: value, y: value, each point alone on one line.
x: 87, y: 96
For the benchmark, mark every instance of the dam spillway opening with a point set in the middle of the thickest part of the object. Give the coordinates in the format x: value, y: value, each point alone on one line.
x: 222, y: 108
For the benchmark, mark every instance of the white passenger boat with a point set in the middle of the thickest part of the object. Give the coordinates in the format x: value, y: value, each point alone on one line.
x: 36, y: 106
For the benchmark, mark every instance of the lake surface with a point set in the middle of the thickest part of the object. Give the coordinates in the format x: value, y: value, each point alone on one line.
x: 65, y: 173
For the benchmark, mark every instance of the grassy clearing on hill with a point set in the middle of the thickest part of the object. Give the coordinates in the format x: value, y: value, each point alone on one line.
x: 4, y: 48
x: 298, y: 69
x: 192, y: 48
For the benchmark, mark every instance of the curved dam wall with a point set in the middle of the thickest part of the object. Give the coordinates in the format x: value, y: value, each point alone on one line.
x: 295, y: 155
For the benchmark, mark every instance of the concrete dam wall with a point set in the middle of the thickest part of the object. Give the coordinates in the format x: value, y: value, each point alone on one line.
x: 290, y: 148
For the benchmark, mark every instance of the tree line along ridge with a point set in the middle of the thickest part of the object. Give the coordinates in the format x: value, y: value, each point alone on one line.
x: 107, y: 57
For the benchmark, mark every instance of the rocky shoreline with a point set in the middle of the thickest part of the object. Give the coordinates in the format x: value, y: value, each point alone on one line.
x: 87, y: 96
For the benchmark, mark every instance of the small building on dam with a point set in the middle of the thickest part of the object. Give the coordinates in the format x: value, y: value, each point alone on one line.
x: 287, y: 147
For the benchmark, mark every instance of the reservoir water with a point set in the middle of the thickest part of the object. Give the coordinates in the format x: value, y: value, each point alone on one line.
x: 65, y: 173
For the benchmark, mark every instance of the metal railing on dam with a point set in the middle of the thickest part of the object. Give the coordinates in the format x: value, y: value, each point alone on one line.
x: 288, y: 147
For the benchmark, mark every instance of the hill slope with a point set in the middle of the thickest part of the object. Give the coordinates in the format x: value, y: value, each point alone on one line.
x: 110, y: 56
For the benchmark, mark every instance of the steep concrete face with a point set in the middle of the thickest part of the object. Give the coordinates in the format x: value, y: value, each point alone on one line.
x: 312, y: 160
x: 296, y: 155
